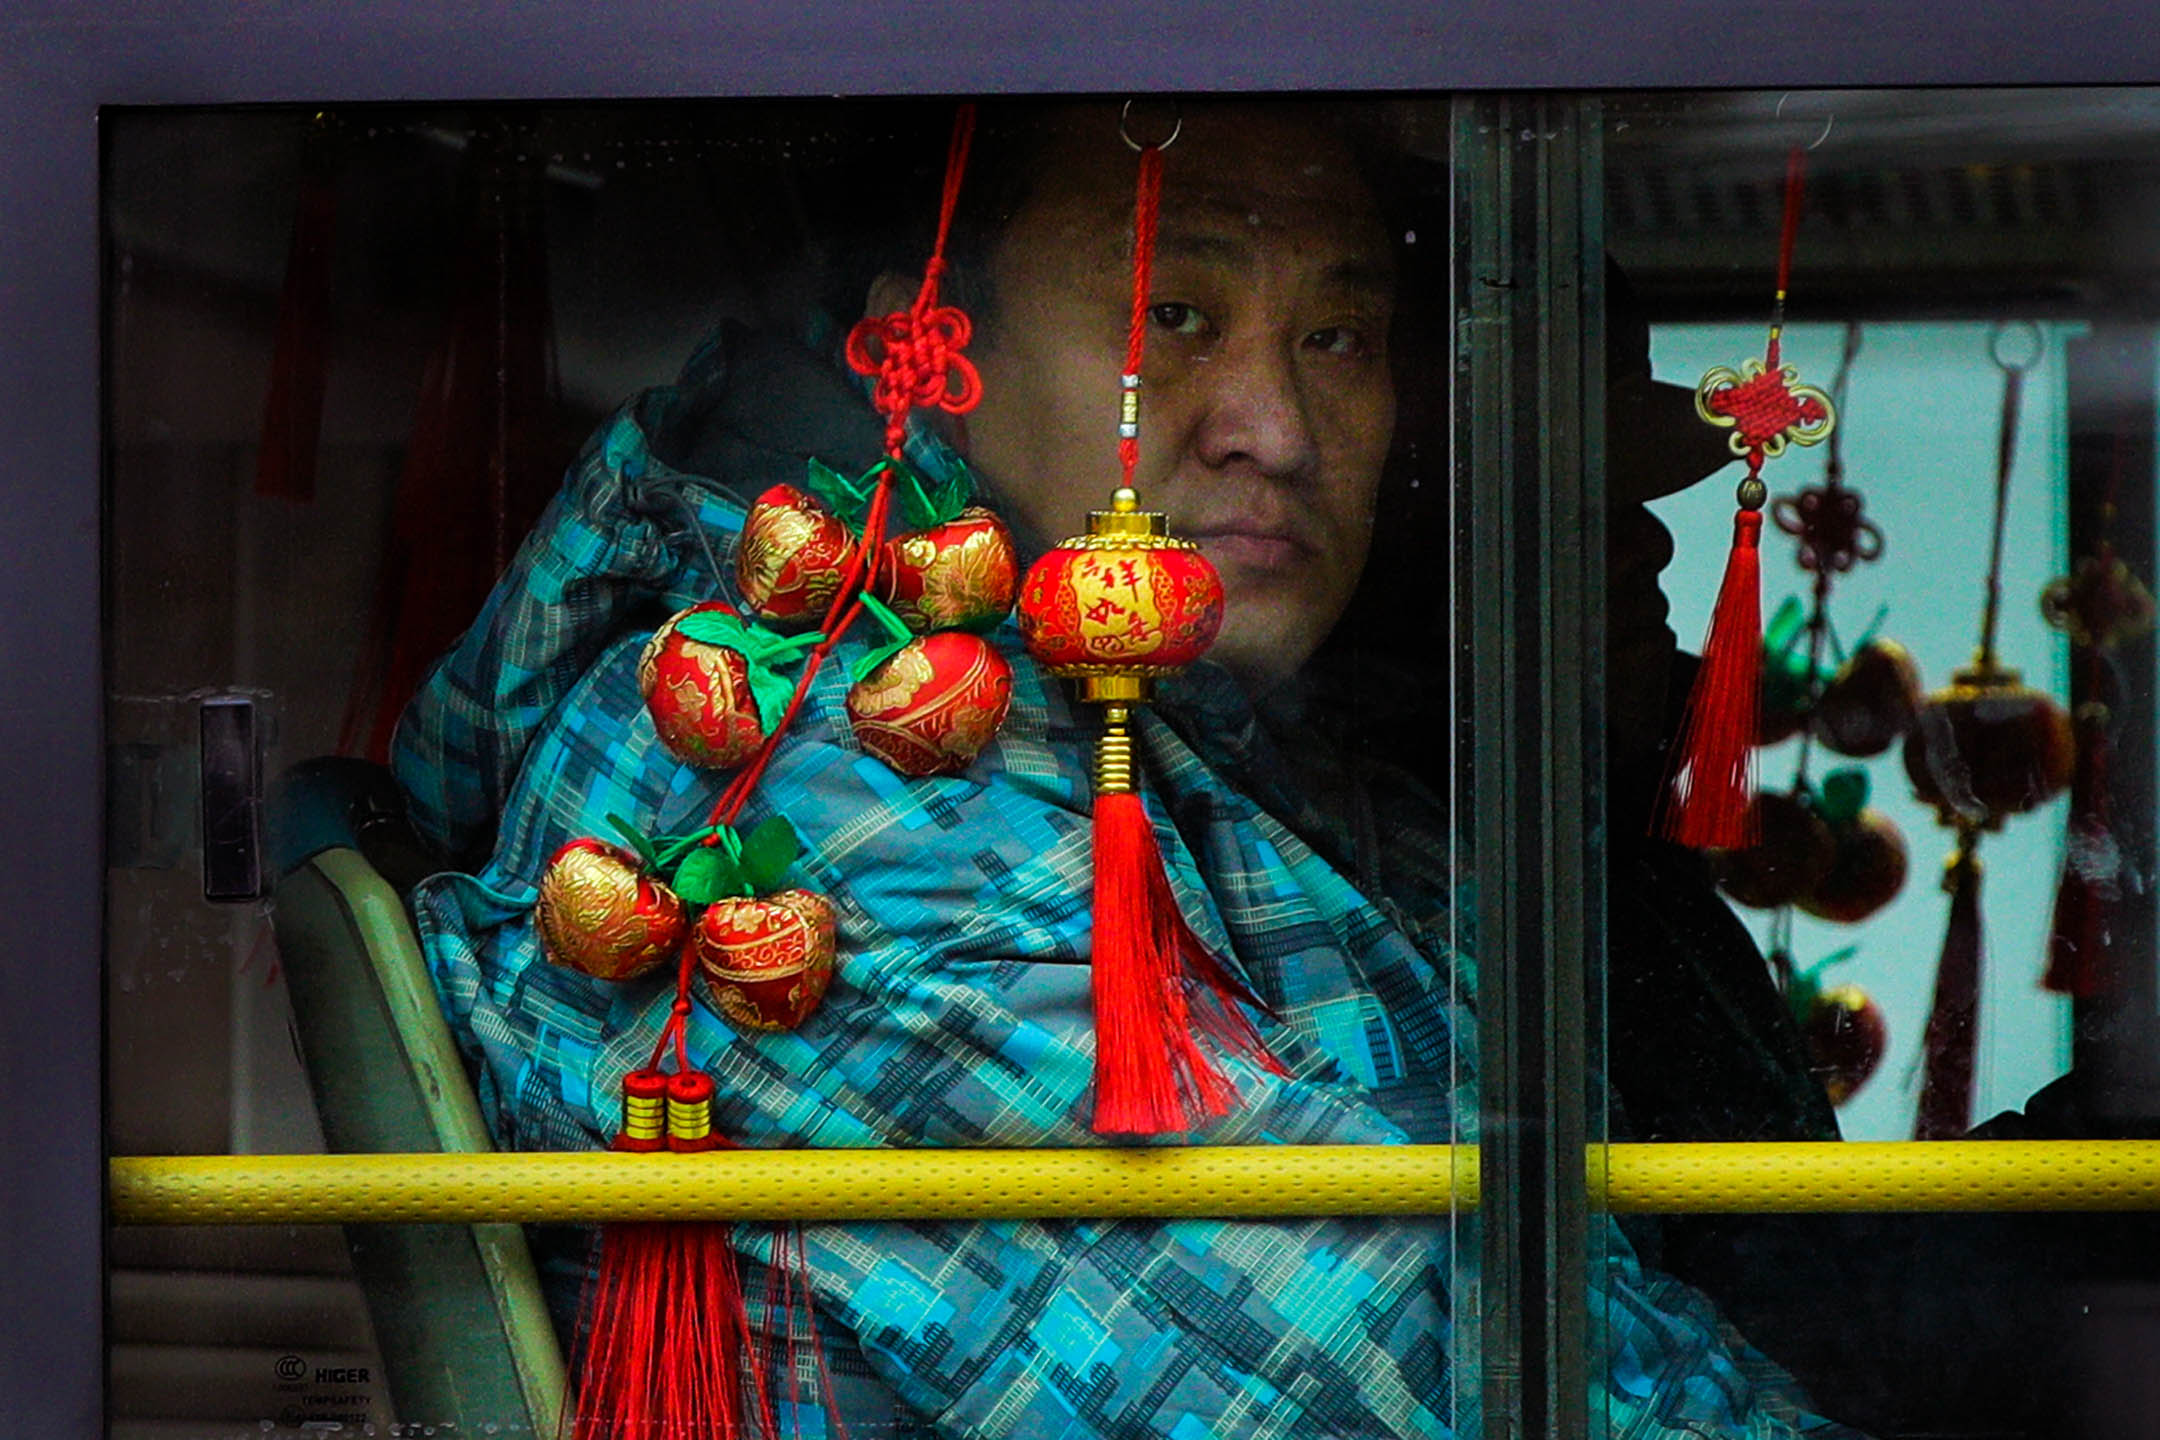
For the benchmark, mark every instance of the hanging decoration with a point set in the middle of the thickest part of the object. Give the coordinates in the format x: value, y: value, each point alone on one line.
x: 1819, y: 848
x: 1117, y: 609
x: 1982, y: 749
x: 1841, y: 1026
x: 2099, y: 605
x: 480, y: 464
x: 300, y: 357
x: 1705, y: 801
x: 666, y: 1342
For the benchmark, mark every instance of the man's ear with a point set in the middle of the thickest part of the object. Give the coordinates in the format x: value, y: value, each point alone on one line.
x: 894, y: 290
x: 891, y: 291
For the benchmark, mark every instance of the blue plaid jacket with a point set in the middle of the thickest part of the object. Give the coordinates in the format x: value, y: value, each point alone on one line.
x: 960, y: 1013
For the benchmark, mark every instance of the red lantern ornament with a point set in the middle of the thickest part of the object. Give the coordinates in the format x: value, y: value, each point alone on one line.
x: 1115, y: 610
x: 1123, y: 604
x: 766, y: 960
x: 961, y: 575
x: 598, y: 915
x: 699, y: 694
x: 931, y: 707
x: 790, y: 560
x: 1987, y: 747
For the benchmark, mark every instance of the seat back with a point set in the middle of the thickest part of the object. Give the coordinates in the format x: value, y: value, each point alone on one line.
x: 457, y: 1309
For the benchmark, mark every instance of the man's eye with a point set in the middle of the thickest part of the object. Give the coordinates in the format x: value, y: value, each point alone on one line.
x: 1178, y: 317
x: 1346, y: 340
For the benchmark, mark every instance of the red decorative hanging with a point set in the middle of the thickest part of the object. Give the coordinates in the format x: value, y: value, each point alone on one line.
x: 667, y: 1349
x: 1711, y: 782
x: 1982, y: 749
x: 1947, y: 1048
x: 299, y: 364
x: 1116, y: 609
x: 478, y: 468
x: 2099, y: 605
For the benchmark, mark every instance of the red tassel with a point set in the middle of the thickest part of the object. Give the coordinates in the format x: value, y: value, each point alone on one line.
x: 293, y: 410
x: 2079, y: 953
x: 1945, y: 1110
x: 1711, y: 782
x: 667, y: 1348
x: 1152, y: 1077
x: 481, y: 463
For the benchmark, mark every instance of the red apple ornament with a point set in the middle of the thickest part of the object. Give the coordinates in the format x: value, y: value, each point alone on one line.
x: 766, y: 960
x: 1846, y: 1037
x: 1871, y: 701
x: 791, y: 558
x: 1867, y: 867
x: 930, y: 707
x: 1794, y: 851
x: 598, y: 915
x: 699, y: 694
x: 961, y: 575
x: 1790, y: 680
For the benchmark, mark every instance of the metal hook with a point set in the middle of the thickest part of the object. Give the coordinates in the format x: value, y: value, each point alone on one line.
x: 1829, y: 120
x: 2002, y: 332
x: 1177, y: 127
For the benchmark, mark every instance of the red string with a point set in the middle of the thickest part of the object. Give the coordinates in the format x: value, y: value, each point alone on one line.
x: 916, y: 356
x: 1146, y: 207
x: 919, y: 364
x: 2005, y: 453
x: 1788, y: 237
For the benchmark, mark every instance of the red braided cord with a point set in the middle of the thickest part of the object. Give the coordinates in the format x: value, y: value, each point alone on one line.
x: 1765, y: 407
x: 921, y: 351
x: 1788, y: 236
x: 1147, y: 204
x: 917, y: 359
x: 2005, y: 453
x: 956, y: 157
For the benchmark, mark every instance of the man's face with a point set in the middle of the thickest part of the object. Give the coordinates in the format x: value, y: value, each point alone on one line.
x: 1267, y: 405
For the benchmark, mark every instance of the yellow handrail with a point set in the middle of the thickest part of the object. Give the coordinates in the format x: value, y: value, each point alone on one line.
x: 1247, y: 1181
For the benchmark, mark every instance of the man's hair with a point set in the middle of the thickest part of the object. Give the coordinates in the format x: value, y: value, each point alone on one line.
x: 893, y: 232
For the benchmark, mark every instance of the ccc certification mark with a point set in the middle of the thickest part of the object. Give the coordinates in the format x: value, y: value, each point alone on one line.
x: 291, y: 1367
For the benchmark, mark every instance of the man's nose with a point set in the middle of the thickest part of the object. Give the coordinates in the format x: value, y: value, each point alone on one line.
x: 1254, y: 413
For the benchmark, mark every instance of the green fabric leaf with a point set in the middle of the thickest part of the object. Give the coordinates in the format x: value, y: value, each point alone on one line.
x: 924, y: 502
x: 762, y: 646
x: 879, y: 656
x: 716, y: 627
x: 1800, y: 995
x: 637, y: 838
x: 894, y: 627
x: 1786, y: 626
x: 767, y: 852
x: 673, y: 847
x: 772, y: 691
x: 847, y: 499
x: 1844, y: 794
x: 708, y: 874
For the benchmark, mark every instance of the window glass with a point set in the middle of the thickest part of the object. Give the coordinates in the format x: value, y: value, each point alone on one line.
x: 355, y: 353
x: 1942, y: 931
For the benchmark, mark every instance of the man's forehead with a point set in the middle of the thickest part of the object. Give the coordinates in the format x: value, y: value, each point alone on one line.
x: 1236, y: 177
